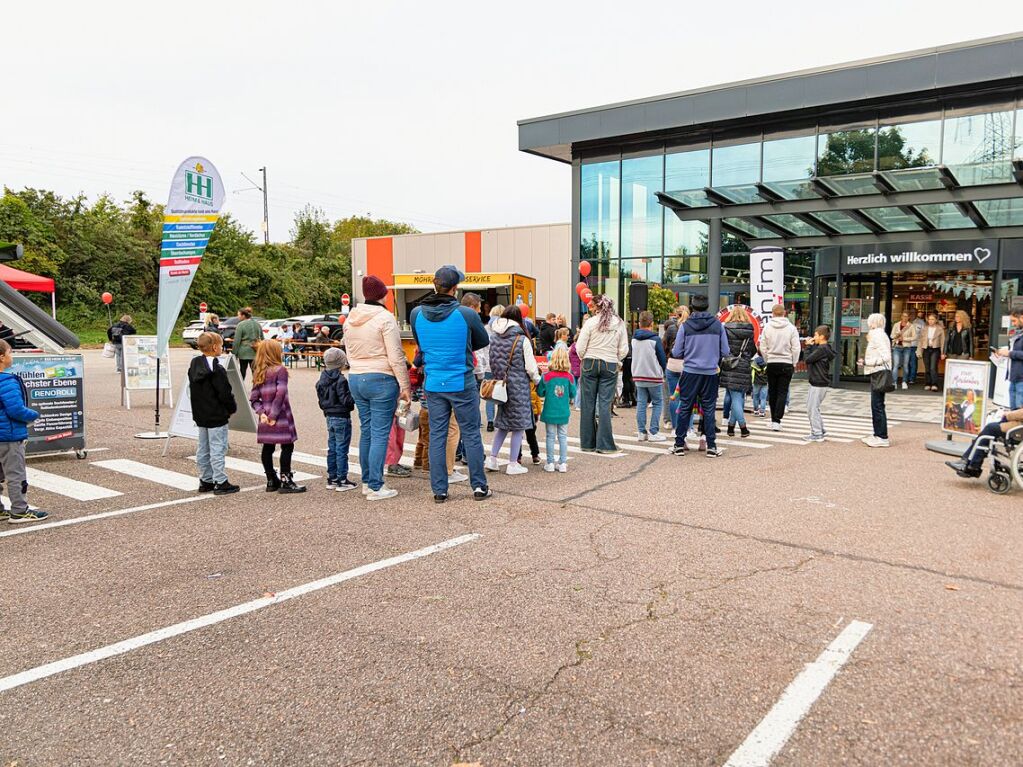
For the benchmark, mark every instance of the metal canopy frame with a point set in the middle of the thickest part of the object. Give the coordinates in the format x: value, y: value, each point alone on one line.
x: 856, y: 207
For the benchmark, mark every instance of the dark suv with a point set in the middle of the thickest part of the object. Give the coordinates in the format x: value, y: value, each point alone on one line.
x: 227, y: 328
x: 332, y: 321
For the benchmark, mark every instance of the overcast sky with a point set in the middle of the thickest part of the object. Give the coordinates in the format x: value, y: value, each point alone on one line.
x: 405, y: 110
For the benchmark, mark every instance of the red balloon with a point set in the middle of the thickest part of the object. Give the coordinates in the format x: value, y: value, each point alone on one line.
x: 585, y: 268
x: 524, y: 308
x: 107, y: 298
x: 579, y: 288
x: 586, y: 296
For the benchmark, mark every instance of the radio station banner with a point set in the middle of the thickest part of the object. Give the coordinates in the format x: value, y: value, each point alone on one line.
x: 767, y: 279
x: 965, y: 396
x: 140, y: 363
x: 54, y: 383
x: 193, y: 207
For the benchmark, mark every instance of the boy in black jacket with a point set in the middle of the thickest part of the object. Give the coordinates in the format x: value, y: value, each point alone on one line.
x: 818, y: 357
x: 212, y: 406
x: 337, y: 404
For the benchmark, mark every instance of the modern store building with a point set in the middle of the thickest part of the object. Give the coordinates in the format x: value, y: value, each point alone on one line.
x: 891, y: 183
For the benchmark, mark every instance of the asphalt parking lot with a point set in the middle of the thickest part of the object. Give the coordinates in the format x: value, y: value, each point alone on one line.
x: 638, y: 610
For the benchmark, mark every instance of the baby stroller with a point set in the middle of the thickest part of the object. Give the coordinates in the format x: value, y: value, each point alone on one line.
x: 1006, y: 454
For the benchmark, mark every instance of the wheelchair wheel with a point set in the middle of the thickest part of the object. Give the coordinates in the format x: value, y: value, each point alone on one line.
x: 999, y: 482
x: 1016, y: 465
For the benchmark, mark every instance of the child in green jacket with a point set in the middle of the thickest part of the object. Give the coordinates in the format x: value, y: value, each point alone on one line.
x: 557, y: 388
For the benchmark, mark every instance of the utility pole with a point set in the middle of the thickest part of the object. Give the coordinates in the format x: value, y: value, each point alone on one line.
x: 266, y: 211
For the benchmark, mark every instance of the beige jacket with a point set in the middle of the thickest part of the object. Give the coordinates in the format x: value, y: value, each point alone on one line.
x: 373, y: 343
x: 908, y: 335
x: 611, y: 345
x: 938, y: 342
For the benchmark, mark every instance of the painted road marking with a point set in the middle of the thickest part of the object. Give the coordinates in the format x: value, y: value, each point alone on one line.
x: 774, y: 730
x: 71, y: 488
x: 34, y: 528
x: 127, y: 645
x: 7, y: 503
x: 256, y: 469
x: 150, y: 473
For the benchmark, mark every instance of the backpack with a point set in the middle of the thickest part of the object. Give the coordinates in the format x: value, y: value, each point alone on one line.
x: 116, y: 331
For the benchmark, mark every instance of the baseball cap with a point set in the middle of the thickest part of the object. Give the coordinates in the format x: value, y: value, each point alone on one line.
x: 448, y: 276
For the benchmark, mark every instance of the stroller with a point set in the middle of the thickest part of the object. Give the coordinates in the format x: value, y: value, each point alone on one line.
x: 1006, y: 454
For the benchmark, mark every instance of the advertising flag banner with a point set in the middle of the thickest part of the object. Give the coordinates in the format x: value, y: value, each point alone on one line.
x: 193, y: 207
x: 766, y: 279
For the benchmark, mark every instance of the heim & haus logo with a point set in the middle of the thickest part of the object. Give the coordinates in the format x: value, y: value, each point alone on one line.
x: 198, y: 186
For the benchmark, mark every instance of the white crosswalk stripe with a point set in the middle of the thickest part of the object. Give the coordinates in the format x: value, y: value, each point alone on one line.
x: 70, y: 488
x: 7, y: 503
x: 144, y: 471
x: 256, y: 469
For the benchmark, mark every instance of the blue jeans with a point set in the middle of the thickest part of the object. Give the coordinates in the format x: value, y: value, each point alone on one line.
x: 912, y: 364
x: 559, y: 430
x: 760, y: 397
x: 1015, y: 395
x: 735, y: 403
x: 491, y: 405
x: 900, y: 357
x: 598, y: 382
x: 671, y: 379
x: 648, y: 393
x: 210, y: 454
x: 339, y: 439
x: 376, y: 397
x: 465, y: 405
x: 878, y: 416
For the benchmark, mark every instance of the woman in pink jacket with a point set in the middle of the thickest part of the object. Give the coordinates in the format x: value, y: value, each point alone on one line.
x: 378, y: 378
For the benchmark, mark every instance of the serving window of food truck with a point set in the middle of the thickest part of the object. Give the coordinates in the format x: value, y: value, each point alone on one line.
x: 493, y: 288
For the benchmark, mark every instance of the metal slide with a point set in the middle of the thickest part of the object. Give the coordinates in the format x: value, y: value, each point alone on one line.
x: 39, y: 328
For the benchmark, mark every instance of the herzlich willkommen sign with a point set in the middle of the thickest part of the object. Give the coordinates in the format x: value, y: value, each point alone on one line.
x: 193, y: 207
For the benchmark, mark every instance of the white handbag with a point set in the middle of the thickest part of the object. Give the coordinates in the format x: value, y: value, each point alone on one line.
x: 108, y: 350
x: 500, y: 391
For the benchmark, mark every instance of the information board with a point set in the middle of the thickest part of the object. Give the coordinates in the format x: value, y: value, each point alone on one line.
x: 54, y: 383
x: 244, y: 419
x: 140, y: 364
x: 964, y: 397
x: 851, y: 311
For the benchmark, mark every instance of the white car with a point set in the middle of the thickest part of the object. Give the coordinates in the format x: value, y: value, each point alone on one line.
x: 191, y: 332
x: 272, y: 328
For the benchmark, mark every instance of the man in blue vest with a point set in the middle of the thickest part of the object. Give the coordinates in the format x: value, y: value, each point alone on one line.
x: 448, y: 334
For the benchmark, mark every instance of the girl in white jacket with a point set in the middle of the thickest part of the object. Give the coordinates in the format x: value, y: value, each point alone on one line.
x: 878, y: 356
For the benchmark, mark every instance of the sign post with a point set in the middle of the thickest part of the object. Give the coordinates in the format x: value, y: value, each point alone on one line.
x: 193, y: 207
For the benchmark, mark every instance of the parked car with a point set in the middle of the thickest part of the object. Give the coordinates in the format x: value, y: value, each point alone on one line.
x: 272, y: 328
x: 332, y: 321
x: 227, y: 328
x: 191, y: 332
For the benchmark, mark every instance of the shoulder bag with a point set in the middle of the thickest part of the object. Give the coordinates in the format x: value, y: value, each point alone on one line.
x: 881, y: 381
x: 497, y: 389
x: 731, y: 361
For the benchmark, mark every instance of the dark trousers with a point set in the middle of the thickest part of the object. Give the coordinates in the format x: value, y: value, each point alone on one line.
x: 779, y: 377
x: 878, y: 414
x: 244, y: 366
x: 975, y: 458
x: 693, y: 388
x: 931, y: 357
x: 267, y: 457
x: 534, y: 446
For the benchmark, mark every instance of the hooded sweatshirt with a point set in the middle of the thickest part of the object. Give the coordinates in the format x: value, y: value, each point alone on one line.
x: 210, y: 392
x: 373, y: 343
x: 818, y: 359
x: 648, y: 358
x: 779, y: 341
x: 448, y: 334
x: 702, y: 342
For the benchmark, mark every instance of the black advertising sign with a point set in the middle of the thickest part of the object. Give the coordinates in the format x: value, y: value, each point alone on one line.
x: 54, y: 383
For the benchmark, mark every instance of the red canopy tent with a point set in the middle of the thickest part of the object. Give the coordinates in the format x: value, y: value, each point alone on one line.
x: 20, y: 280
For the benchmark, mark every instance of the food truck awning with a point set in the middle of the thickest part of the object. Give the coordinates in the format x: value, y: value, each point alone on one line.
x: 461, y: 286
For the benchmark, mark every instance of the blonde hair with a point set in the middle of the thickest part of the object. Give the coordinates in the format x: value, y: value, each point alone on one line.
x: 682, y: 313
x: 875, y: 321
x: 496, y: 311
x: 207, y: 342
x: 963, y: 317
x: 561, y: 334
x: 559, y: 361
x: 126, y: 318
x: 5, y: 348
x: 738, y: 314
x: 268, y: 355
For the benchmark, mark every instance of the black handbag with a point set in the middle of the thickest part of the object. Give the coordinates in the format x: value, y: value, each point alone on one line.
x: 731, y: 361
x: 881, y: 381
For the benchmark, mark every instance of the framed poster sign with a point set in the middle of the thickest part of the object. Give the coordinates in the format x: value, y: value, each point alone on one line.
x: 964, y: 397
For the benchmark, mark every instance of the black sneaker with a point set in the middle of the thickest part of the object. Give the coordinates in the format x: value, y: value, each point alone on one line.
x: 482, y: 493
x: 678, y: 450
x: 715, y: 452
x: 490, y: 425
x: 743, y: 432
x: 206, y: 487
x: 731, y: 430
x: 344, y: 485
x: 225, y: 488
x: 964, y: 469
x: 28, y: 516
x: 440, y: 498
x: 536, y: 460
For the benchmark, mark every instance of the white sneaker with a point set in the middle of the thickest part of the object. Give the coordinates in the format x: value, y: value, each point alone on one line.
x: 548, y: 467
x: 775, y: 425
x: 563, y: 467
x: 905, y: 385
x: 703, y: 443
x: 490, y: 464
x: 873, y: 441
x: 366, y: 489
x: 641, y: 436
x: 516, y: 468
x: 457, y: 476
x: 382, y: 494
x: 656, y: 438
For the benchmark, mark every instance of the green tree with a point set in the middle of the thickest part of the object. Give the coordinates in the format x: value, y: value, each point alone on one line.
x: 661, y: 302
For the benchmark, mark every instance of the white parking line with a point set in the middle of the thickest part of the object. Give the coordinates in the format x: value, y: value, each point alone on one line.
x: 71, y: 488
x: 149, y: 473
x: 774, y: 730
x: 256, y: 469
x: 127, y: 645
x: 7, y: 503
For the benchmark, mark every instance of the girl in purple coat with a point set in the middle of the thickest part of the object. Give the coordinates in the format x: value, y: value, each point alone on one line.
x: 269, y: 399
